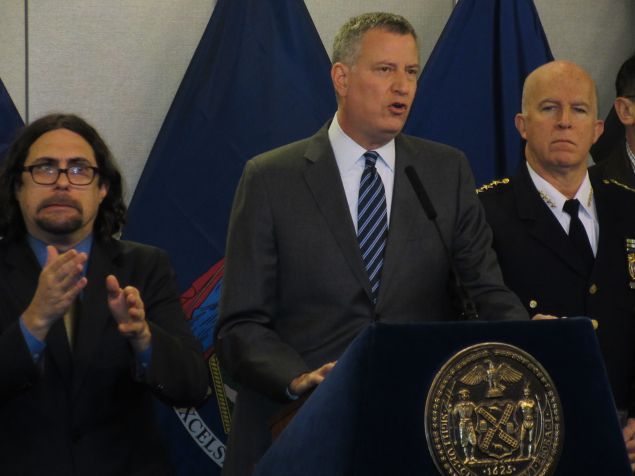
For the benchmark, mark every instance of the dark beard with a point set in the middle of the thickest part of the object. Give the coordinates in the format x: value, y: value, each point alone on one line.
x: 58, y: 228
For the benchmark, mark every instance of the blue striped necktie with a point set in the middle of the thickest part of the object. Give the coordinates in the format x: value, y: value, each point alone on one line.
x: 372, y: 221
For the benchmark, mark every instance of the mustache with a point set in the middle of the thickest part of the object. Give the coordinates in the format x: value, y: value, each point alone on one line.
x: 60, y: 200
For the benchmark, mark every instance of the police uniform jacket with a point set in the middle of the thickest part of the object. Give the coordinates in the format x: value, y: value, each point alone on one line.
x: 616, y: 166
x: 543, y: 269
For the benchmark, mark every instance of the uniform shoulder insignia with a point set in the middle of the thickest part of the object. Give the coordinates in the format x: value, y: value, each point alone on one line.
x: 493, y: 184
x: 618, y: 184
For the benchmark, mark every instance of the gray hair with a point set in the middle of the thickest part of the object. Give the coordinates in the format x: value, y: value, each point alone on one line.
x: 348, y: 40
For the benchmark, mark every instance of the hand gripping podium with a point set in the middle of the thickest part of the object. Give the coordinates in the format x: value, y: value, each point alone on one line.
x: 368, y: 416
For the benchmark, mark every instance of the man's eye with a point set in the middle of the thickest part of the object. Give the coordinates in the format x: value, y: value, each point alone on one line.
x: 45, y: 169
x: 78, y: 170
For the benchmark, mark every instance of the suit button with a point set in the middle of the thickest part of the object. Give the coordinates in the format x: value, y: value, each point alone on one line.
x: 160, y: 387
x: 533, y: 304
x: 593, y: 289
x: 76, y: 437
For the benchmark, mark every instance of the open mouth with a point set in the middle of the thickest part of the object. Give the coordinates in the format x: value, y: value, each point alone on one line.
x: 398, y: 107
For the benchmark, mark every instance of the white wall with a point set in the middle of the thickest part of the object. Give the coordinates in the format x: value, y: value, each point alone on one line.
x: 12, y: 50
x: 597, y: 34
x: 119, y: 63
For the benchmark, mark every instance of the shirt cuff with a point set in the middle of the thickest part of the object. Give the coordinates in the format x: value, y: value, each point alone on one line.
x: 290, y: 394
x: 143, y: 361
x: 36, y: 346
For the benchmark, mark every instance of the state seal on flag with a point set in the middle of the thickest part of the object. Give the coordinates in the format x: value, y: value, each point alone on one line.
x: 493, y: 409
x: 208, y: 425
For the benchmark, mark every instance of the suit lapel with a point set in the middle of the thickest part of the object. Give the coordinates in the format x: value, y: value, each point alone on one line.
x: 619, y: 166
x: 23, y: 276
x: 93, y: 313
x: 541, y: 223
x: 24, y: 271
x: 323, y: 179
x: 403, y: 209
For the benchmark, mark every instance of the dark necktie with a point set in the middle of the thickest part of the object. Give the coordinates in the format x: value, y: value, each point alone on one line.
x: 577, y: 234
x: 372, y: 221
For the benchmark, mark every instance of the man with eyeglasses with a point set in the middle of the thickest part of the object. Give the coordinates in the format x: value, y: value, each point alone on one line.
x: 620, y: 165
x: 90, y: 326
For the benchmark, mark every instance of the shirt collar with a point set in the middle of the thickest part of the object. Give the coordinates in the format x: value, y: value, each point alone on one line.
x: 554, y: 199
x: 345, y: 149
x: 39, y: 248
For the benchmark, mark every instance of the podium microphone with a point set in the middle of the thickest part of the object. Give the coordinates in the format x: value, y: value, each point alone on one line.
x: 468, y: 308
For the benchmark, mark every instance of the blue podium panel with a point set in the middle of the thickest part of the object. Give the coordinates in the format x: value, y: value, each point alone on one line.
x: 367, y: 417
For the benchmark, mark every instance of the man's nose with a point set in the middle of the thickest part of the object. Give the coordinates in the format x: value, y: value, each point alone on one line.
x: 62, y: 179
x: 564, y: 121
x: 402, y: 83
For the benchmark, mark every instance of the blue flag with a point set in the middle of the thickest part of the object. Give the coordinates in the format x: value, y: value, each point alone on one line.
x: 10, y: 121
x: 471, y: 87
x: 258, y: 79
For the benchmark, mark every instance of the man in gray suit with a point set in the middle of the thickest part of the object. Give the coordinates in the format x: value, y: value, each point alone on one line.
x: 304, y: 275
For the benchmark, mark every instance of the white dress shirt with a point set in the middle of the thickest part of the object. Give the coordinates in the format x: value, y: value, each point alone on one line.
x: 555, y: 201
x: 349, y: 156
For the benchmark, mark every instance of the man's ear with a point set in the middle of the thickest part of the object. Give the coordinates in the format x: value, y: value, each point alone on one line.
x: 519, y: 121
x: 599, y: 129
x: 339, y: 76
x: 625, y: 109
x: 103, y: 191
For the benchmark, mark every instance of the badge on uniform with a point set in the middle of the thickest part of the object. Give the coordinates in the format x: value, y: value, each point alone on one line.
x: 630, y: 259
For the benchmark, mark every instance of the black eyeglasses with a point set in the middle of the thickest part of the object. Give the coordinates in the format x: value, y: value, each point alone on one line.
x: 47, y: 174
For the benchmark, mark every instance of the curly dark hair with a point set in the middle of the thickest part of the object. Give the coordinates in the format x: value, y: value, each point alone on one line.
x: 112, y: 211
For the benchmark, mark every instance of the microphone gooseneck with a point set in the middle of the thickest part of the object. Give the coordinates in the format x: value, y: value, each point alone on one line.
x: 468, y: 308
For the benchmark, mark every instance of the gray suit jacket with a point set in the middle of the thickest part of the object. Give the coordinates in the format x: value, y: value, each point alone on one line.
x: 295, y: 290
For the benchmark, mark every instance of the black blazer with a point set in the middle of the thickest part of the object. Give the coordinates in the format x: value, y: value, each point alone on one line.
x: 542, y: 268
x: 84, y: 412
x: 616, y: 166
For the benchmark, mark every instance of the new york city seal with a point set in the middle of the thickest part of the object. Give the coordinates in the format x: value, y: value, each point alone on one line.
x: 493, y: 410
